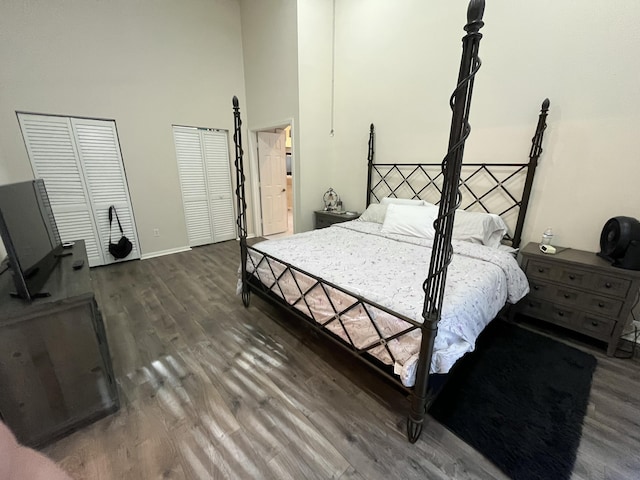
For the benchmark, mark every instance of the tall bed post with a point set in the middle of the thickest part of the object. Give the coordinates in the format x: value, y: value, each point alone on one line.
x: 442, y: 251
x: 241, y: 203
x: 534, y: 155
x: 370, y: 155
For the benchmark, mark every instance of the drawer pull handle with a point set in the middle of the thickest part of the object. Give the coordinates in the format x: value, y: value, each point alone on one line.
x: 572, y: 277
x: 594, y: 323
x: 566, y: 295
x: 540, y: 270
x: 601, y: 305
x: 561, y: 314
x: 607, y: 285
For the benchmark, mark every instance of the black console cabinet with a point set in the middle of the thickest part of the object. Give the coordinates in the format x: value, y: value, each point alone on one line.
x: 55, y: 369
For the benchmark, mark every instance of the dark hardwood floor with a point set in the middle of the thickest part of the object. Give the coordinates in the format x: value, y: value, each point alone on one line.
x: 210, y: 389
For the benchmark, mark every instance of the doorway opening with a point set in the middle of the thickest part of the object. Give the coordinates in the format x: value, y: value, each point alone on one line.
x: 274, y: 200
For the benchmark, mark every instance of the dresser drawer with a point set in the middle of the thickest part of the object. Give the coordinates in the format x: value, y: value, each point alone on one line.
x: 544, y: 310
x: 559, y: 294
x: 540, y: 269
x: 609, y: 285
x: 557, y: 272
x: 595, y: 326
x: 601, y: 305
x: 541, y: 289
x: 322, y: 222
x: 534, y: 307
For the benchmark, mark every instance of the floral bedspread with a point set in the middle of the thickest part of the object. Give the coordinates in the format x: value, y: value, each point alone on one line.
x: 390, y: 269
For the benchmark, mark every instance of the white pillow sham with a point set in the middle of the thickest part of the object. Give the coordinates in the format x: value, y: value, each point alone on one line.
x: 414, y: 220
x: 401, y: 201
x: 375, y: 213
x: 476, y: 227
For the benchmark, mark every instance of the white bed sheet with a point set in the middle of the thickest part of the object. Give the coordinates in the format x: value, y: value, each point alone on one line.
x: 389, y: 270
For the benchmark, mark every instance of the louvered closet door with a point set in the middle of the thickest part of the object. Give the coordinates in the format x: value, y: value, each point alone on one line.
x: 99, y: 150
x: 193, y: 184
x: 216, y: 154
x: 54, y: 158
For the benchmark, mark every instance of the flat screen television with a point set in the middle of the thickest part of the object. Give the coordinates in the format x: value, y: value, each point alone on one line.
x: 30, y: 236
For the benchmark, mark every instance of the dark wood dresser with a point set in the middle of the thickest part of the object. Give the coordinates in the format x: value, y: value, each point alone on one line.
x: 325, y: 219
x: 55, y: 368
x: 580, y: 291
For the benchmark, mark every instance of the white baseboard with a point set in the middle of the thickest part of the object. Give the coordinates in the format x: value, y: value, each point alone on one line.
x: 147, y: 256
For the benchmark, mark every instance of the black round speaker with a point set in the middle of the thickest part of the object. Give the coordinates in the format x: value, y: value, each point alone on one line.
x: 616, y: 236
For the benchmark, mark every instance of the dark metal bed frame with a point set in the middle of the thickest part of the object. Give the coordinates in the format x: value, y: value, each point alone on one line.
x: 390, y: 179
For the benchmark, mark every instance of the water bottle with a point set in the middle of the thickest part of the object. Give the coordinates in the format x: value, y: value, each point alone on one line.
x: 547, y: 236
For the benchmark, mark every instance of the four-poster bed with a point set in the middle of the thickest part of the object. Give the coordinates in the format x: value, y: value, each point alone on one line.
x: 378, y: 315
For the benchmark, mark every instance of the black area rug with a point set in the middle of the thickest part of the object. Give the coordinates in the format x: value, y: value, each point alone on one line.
x: 519, y: 399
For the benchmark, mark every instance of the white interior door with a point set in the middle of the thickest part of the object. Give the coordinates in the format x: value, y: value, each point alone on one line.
x: 54, y: 158
x: 99, y: 150
x: 216, y: 155
x: 193, y: 184
x: 205, y: 179
x: 273, y: 182
x: 81, y: 165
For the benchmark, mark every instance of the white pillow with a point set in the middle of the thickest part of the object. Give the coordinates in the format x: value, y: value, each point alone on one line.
x: 375, y: 213
x: 476, y: 227
x: 413, y: 220
x: 401, y: 201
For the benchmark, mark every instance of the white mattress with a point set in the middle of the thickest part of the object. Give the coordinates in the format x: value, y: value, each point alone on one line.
x: 389, y: 270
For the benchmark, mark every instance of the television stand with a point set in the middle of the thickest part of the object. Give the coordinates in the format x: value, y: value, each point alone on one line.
x: 55, y: 368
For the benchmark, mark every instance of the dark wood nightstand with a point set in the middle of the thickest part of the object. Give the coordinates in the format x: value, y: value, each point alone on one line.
x: 580, y: 291
x: 325, y: 219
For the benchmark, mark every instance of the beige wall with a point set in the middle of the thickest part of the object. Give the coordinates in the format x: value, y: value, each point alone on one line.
x: 270, y: 49
x: 396, y: 67
x: 315, y: 146
x: 147, y: 64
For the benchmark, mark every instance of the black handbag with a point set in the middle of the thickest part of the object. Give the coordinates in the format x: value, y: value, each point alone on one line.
x: 124, y: 246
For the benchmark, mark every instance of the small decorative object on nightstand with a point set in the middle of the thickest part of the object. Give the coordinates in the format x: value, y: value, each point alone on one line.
x: 325, y: 219
x: 580, y: 291
x: 330, y: 199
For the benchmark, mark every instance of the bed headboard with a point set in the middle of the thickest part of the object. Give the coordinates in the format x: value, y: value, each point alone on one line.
x: 501, y: 188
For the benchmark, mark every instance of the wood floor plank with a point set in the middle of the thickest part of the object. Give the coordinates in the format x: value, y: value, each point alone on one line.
x: 210, y: 389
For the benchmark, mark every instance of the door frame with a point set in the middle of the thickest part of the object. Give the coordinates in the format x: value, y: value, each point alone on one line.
x: 255, y: 172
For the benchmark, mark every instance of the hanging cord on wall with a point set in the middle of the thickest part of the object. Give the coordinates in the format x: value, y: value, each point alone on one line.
x: 636, y: 336
x: 333, y: 66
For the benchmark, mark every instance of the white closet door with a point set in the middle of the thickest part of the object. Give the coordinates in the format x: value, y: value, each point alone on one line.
x: 54, y: 158
x: 193, y: 184
x: 99, y: 150
x: 216, y: 154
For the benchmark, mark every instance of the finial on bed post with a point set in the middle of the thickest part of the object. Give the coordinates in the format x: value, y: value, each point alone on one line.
x: 475, y: 11
x: 442, y: 250
x: 241, y: 204
x: 534, y: 156
x: 370, y: 155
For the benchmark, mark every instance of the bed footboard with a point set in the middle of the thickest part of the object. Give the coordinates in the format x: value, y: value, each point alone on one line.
x: 368, y: 330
